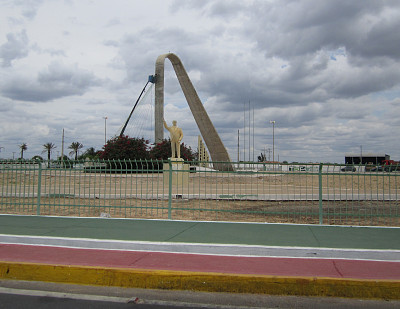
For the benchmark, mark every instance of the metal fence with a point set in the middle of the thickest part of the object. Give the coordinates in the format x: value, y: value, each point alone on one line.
x: 253, y: 192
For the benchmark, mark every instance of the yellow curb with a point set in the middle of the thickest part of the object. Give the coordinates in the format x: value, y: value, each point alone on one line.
x: 197, y: 281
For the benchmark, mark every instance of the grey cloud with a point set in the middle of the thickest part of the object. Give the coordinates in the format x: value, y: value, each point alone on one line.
x: 227, y: 9
x: 113, y: 22
x: 306, y: 44
x: 5, y: 105
x: 214, y: 8
x: 185, y: 4
x: 16, y: 47
x: 140, y: 50
x: 112, y: 43
x: 368, y: 78
x: 300, y: 27
x: 50, y: 51
x: 55, y: 82
x: 382, y: 40
x: 30, y: 8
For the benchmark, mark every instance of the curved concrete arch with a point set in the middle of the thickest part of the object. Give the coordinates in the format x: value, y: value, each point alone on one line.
x: 210, y: 136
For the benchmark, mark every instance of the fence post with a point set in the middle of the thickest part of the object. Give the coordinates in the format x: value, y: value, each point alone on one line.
x: 39, y: 190
x: 169, y: 188
x: 320, y: 193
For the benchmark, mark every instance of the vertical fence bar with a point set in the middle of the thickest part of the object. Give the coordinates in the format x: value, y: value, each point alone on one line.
x: 169, y: 189
x: 320, y: 193
x: 39, y: 190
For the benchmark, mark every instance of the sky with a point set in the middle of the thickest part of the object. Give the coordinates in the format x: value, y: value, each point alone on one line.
x: 327, y: 72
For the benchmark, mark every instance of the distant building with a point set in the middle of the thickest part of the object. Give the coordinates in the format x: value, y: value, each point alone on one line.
x: 365, y: 158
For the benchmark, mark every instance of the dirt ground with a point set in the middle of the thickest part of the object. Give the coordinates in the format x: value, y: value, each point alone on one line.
x: 339, y: 213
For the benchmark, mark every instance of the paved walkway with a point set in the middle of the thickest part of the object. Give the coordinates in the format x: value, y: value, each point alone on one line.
x: 210, y: 256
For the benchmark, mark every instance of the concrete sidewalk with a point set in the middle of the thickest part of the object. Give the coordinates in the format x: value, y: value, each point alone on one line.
x: 206, y: 256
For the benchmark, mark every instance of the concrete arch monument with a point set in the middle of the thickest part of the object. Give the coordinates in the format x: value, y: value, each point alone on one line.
x: 211, y: 138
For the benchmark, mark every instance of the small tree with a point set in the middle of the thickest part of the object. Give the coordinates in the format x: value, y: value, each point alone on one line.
x: 65, y: 162
x: 23, y: 147
x: 48, y: 147
x: 90, y: 154
x: 37, y: 158
x: 75, y: 146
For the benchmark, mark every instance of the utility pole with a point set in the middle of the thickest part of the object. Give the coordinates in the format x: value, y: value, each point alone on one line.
x: 244, y: 131
x: 269, y: 154
x: 62, y: 149
x: 273, y: 139
x: 105, y: 130
x: 253, y: 133
x: 238, y: 149
x: 249, y: 133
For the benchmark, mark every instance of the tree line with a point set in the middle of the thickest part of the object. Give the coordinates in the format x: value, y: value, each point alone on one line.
x: 119, y: 148
x: 49, y: 147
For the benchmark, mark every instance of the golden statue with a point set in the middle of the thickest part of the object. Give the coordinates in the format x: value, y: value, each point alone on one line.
x: 176, y: 136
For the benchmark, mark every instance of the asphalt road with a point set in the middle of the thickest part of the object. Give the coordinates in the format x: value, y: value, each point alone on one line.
x: 45, y: 300
x: 8, y: 301
x: 24, y: 294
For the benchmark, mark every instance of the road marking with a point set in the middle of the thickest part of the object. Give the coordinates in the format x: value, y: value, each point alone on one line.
x: 64, y: 295
x: 205, y: 248
x: 113, y: 299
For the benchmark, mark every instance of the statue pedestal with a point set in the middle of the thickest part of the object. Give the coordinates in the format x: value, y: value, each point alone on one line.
x: 179, y: 171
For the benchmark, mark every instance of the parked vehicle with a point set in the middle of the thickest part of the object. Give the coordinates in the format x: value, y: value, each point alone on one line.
x: 377, y: 169
x: 391, y: 166
x: 348, y: 168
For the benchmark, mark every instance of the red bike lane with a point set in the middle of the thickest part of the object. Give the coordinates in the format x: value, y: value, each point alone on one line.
x: 202, y: 263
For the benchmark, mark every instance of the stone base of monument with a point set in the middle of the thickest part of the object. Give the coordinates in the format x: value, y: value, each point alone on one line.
x: 179, y: 170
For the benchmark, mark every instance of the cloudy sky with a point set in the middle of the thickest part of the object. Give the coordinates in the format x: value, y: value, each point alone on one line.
x: 328, y: 72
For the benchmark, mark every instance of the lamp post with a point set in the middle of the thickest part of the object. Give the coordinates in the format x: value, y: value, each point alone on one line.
x: 273, y: 140
x: 105, y: 130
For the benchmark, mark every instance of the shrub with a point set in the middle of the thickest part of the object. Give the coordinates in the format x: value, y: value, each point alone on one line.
x: 125, y: 148
x: 64, y: 162
x: 124, y: 154
x: 162, y: 151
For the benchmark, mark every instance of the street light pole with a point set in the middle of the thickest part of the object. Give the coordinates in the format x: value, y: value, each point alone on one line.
x: 105, y: 130
x: 273, y: 139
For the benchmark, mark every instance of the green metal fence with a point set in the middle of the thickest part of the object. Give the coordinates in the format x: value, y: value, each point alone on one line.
x: 253, y: 192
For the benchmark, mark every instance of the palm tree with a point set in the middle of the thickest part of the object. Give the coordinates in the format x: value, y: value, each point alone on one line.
x: 48, y: 147
x: 75, y: 146
x: 23, y: 147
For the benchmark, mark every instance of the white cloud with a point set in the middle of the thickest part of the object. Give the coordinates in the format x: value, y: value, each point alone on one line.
x: 16, y: 47
x: 56, y: 81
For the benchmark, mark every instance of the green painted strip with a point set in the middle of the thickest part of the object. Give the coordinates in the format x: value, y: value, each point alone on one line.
x: 204, y: 232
